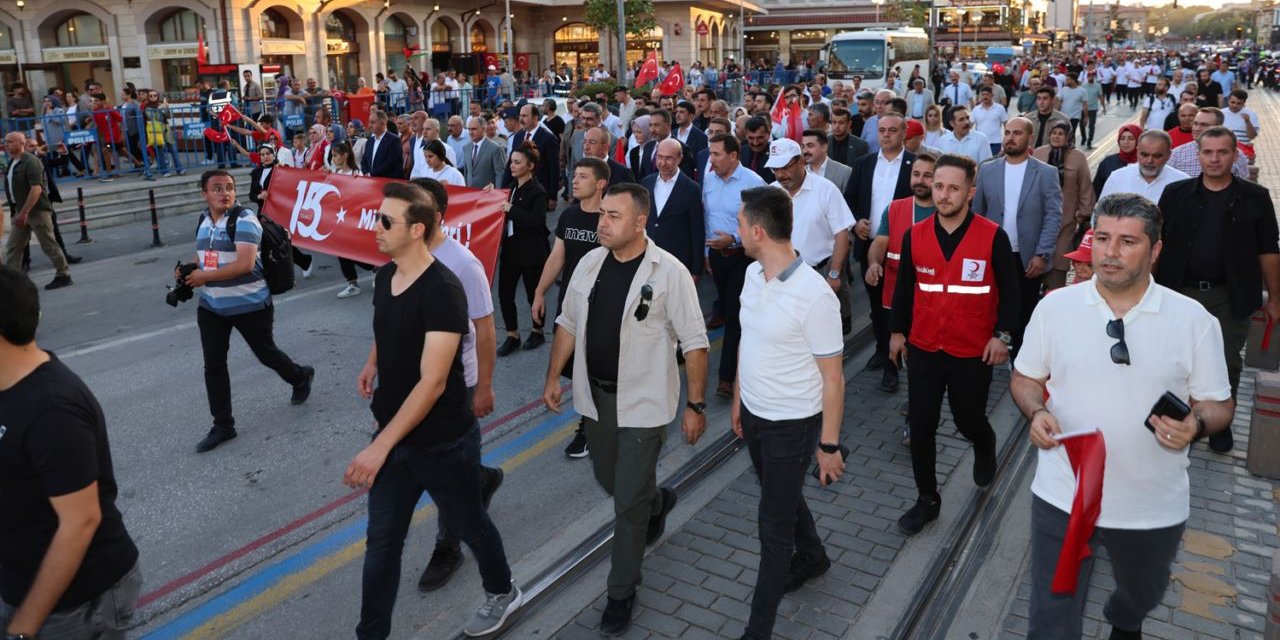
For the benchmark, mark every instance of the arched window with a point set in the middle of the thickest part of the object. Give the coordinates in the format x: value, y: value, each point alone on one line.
x: 6, y: 37
x: 81, y: 30
x: 394, y: 36
x: 273, y: 25
x: 441, y: 36
x: 182, y: 26
x: 339, y: 27
x: 479, y: 42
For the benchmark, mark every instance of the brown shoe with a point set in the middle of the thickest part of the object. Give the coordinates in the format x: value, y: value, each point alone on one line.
x: 724, y: 389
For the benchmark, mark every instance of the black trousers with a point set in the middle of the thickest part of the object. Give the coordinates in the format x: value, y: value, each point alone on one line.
x: 1028, y: 298
x: 508, y: 277
x: 729, y: 274
x: 965, y: 381
x: 1087, y: 125
x: 348, y: 268
x: 215, y: 340
x: 879, y: 318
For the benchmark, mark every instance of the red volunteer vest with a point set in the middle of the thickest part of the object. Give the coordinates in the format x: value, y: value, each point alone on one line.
x: 901, y: 217
x: 955, y: 300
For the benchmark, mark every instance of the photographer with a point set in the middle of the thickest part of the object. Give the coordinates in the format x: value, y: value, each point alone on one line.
x: 234, y: 296
x: 68, y: 568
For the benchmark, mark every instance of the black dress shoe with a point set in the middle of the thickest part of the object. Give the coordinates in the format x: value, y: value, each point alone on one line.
x: 803, y: 570
x: 445, y: 560
x: 536, y: 339
x: 303, y: 391
x: 1222, y: 441
x: 508, y: 346
x: 73, y: 259
x: 489, y: 484
x: 217, y: 436
x: 617, y: 617
x: 875, y: 362
x: 658, y: 523
x: 926, y: 510
x: 984, y: 465
x: 1121, y: 634
x: 58, y: 282
x: 889, y: 380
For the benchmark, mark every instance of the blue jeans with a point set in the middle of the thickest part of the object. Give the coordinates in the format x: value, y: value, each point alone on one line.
x: 781, y: 452
x: 450, y: 474
x: 166, y: 152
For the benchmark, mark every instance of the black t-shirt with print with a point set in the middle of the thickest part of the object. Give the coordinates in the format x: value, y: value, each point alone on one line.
x: 435, y: 301
x: 53, y: 442
x: 577, y: 228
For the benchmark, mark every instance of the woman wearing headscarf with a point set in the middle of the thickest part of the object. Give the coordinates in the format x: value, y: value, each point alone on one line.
x: 639, y: 135
x: 334, y: 134
x: 317, y: 148
x: 356, y: 138
x: 1127, y: 138
x: 1077, y: 196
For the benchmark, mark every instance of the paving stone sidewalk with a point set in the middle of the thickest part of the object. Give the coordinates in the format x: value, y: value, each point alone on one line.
x: 698, y: 582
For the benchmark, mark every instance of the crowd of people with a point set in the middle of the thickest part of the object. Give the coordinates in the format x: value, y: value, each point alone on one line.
x: 966, y: 213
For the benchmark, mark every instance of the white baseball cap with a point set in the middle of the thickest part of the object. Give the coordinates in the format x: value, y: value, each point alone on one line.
x: 492, y: 68
x: 781, y: 152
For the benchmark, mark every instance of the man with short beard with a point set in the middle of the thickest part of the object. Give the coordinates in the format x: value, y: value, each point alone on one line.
x: 1150, y: 174
x: 845, y: 147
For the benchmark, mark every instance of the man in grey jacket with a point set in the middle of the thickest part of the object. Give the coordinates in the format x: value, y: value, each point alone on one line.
x: 482, y: 160
x: 1033, y: 221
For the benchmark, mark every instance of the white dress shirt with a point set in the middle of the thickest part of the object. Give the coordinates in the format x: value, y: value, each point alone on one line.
x: 1014, y: 176
x: 1129, y: 180
x: 884, y: 182
x: 820, y: 213
x: 959, y: 94
x: 662, y: 190
x: 989, y: 121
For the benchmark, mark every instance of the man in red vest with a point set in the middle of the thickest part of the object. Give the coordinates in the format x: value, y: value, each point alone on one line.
x: 950, y: 319
x: 886, y: 248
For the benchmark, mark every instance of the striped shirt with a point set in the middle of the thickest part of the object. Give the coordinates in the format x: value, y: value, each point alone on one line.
x: 215, y: 250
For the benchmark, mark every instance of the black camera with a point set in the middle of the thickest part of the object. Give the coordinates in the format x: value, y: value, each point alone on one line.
x: 181, y: 291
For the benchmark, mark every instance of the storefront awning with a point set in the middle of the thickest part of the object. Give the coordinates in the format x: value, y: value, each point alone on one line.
x: 812, y: 21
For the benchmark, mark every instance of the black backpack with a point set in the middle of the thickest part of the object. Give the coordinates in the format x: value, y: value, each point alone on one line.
x: 276, y: 252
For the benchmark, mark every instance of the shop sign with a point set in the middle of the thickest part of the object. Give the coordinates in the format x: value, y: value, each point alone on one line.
x: 172, y: 50
x: 284, y: 47
x: 703, y: 29
x: 76, y: 54
x: 337, y: 47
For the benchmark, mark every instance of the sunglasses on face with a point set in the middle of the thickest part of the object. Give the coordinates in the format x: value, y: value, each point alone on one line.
x: 387, y: 221
x: 1119, y: 350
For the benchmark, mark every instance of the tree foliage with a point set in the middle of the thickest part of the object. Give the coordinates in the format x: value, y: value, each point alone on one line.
x: 906, y: 12
x: 603, y: 15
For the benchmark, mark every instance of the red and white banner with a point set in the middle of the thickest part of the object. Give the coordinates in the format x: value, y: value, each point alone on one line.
x: 337, y: 215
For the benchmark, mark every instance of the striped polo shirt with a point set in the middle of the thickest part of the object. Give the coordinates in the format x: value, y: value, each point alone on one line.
x: 214, y: 249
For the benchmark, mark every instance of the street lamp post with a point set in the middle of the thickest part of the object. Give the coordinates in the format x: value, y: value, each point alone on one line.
x: 877, y: 3
x: 622, y: 44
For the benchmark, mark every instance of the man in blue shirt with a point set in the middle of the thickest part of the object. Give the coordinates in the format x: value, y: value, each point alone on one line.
x: 234, y: 295
x: 1224, y: 78
x: 721, y: 199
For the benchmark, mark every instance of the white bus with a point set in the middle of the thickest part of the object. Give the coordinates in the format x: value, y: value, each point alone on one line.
x: 871, y: 52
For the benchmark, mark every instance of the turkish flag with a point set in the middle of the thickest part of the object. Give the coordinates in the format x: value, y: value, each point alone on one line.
x: 787, y: 117
x: 202, y: 58
x: 1088, y: 455
x: 648, y: 70
x: 337, y: 215
x: 522, y: 61
x: 674, y: 81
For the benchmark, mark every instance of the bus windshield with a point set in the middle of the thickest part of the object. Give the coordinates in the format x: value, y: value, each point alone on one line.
x: 857, y: 57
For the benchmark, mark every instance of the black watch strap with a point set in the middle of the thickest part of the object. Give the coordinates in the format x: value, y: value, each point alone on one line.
x: 829, y: 448
x: 699, y: 408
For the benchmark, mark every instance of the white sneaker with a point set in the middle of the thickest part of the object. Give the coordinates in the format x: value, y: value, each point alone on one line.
x: 493, y: 612
x: 306, y: 273
x: 352, y: 290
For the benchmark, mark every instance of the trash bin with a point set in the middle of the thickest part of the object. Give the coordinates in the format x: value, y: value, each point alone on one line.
x: 358, y: 107
x: 1264, y: 427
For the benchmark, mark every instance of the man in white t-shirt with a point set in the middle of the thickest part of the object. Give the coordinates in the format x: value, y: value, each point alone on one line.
x: 789, y: 397
x: 1071, y: 100
x: 1241, y: 121
x: 989, y: 117
x: 1105, y: 351
x: 1157, y: 106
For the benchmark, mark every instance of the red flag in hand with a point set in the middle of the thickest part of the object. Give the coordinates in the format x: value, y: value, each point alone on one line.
x: 202, y: 58
x: 648, y: 70
x: 674, y: 81
x: 216, y: 136
x: 1088, y: 455
x: 229, y: 114
x: 787, y: 116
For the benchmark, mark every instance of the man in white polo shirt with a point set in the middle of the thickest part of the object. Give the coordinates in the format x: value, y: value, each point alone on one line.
x: 789, y: 398
x: 1150, y: 174
x: 1106, y: 351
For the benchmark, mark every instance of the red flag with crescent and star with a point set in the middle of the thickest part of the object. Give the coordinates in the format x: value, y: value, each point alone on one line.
x: 674, y: 81
x: 649, y: 70
x: 1088, y: 455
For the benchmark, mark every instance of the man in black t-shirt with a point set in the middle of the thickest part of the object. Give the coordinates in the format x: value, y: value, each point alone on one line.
x: 424, y: 439
x: 575, y: 236
x: 68, y: 567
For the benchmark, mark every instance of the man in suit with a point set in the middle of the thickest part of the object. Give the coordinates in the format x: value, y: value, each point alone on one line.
x: 675, y: 221
x: 755, y: 154
x: 844, y: 147
x: 878, y: 179
x: 383, y: 155
x: 483, y: 161
x: 919, y: 99
x: 702, y: 164
x: 659, y: 130
x: 819, y: 164
x: 31, y: 210
x: 685, y: 132
x: 595, y: 144
x: 1032, y: 222
x: 548, y: 170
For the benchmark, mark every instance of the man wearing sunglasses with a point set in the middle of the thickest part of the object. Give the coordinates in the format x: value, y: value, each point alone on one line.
x: 1105, y: 351
x: 951, y: 320
x: 628, y: 303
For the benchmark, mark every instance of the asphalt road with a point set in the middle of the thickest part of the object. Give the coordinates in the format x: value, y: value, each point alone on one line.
x: 260, y: 539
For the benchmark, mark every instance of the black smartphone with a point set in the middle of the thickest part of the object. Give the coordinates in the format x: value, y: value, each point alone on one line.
x: 817, y: 471
x: 1169, y: 406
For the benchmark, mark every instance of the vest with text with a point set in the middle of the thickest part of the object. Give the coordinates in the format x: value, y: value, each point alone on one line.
x: 901, y: 218
x: 955, y: 300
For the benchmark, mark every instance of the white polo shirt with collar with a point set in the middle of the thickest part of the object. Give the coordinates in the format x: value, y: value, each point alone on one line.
x: 818, y: 213
x: 788, y: 322
x: 1174, y: 345
x: 1129, y: 180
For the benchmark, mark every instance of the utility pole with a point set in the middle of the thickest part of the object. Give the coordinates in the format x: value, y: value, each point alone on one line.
x: 622, y: 44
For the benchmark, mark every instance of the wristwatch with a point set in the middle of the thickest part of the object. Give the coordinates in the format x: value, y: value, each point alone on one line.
x: 833, y: 274
x: 18, y: 636
x: 1004, y: 336
x: 699, y: 408
x: 829, y: 448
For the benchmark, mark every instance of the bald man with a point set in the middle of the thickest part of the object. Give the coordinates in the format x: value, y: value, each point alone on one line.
x: 31, y: 209
x: 676, y: 221
x: 595, y: 144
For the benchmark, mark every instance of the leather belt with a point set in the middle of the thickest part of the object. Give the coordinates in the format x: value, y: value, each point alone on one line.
x: 1202, y: 285
x: 730, y: 252
x: 604, y: 385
